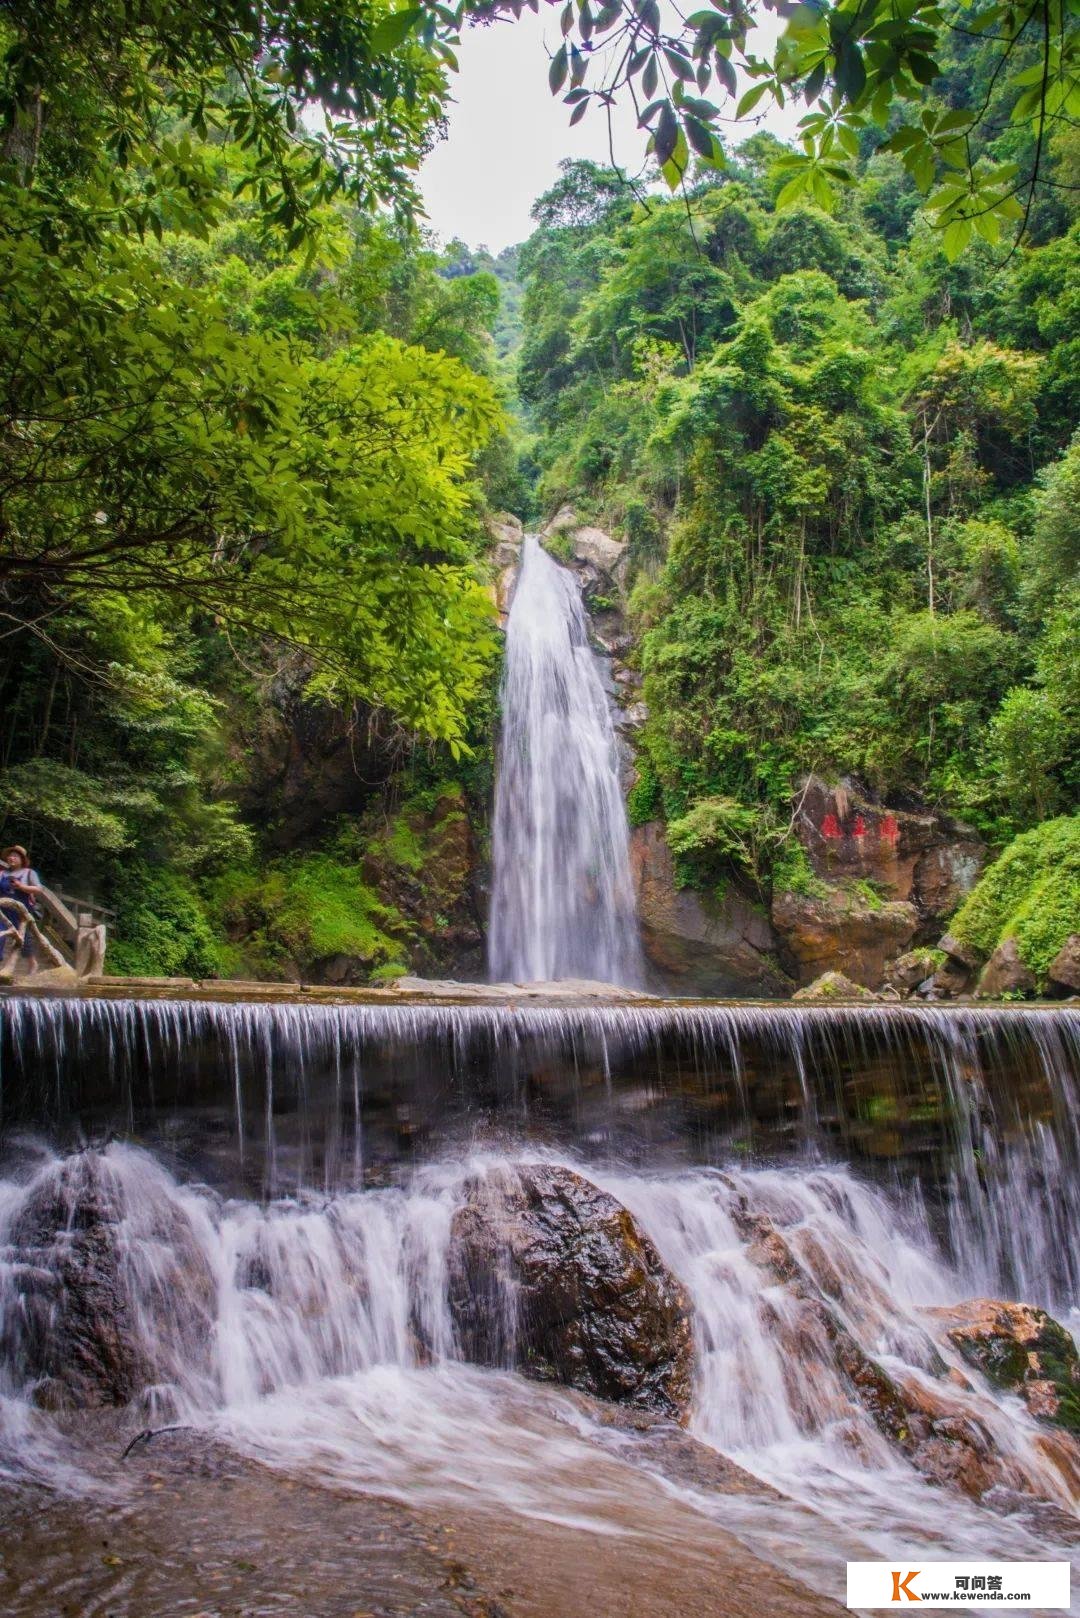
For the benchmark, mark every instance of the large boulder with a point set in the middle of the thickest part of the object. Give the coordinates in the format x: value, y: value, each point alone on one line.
x: 700, y: 944
x: 842, y: 929
x: 1005, y: 973
x: 834, y: 986
x: 114, y: 1289
x: 1020, y: 1349
x: 1064, y: 969
x: 597, y: 557
x: 923, y: 858
x: 553, y: 1276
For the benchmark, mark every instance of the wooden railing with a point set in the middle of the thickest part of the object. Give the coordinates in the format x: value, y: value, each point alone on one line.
x: 66, y: 933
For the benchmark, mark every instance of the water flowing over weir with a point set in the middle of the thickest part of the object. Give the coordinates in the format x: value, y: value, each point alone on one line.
x: 562, y: 900
x: 281, y: 1242
x: 972, y: 1111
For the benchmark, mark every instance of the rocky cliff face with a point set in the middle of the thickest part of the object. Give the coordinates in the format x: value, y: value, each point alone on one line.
x: 698, y: 943
x: 883, y: 879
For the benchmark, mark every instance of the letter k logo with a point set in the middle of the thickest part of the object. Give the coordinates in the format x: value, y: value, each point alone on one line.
x: 903, y: 1584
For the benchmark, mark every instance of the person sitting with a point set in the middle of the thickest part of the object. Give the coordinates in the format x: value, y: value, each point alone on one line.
x: 19, y: 887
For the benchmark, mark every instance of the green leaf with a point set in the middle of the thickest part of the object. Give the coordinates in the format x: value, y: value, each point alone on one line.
x: 560, y: 65
x: 394, y: 30
x: 750, y: 100
x: 955, y: 238
x: 667, y: 134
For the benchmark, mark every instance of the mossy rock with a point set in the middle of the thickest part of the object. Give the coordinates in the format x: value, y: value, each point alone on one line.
x: 834, y: 986
x: 1027, y: 903
x: 1021, y: 1350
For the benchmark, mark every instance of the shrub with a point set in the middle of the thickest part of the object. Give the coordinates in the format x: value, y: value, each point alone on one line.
x: 1031, y: 893
x: 165, y: 928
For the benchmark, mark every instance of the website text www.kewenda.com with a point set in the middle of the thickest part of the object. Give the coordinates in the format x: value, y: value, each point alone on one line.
x: 958, y: 1593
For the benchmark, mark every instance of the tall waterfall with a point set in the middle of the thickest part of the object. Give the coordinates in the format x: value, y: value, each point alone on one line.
x: 563, y: 901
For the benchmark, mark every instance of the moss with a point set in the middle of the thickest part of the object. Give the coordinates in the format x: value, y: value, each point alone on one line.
x: 1031, y: 893
x: 164, y: 926
x: 644, y: 801
x: 793, y: 873
x: 306, y: 909
x: 560, y: 545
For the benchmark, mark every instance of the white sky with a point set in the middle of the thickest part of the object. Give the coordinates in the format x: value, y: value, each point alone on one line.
x: 507, y: 134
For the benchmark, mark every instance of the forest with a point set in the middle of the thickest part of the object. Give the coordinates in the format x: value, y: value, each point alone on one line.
x: 256, y: 423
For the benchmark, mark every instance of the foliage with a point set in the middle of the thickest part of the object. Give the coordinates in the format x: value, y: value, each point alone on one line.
x: 1031, y: 893
x: 289, y: 916
x: 847, y: 480
x: 165, y: 928
x: 861, y: 67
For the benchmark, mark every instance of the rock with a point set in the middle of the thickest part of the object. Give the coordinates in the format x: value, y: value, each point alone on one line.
x: 553, y: 1276
x: 944, y: 876
x: 841, y: 930
x: 431, y: 889
x: 1005, y: 973
x: 507, y: 535
x: 935, y: 1425
x: 911, y: 969
x: 593, y: 554
x: 834, y: 986
x: 949, y: 981
x: 1020, y: 1349
x: 94, y: 1326
x: 593, y: 546
x: 925, y: 858
x: 700, y: 944
x: 961, y: 952
x: 1064, y: 971
x: 632, y: 717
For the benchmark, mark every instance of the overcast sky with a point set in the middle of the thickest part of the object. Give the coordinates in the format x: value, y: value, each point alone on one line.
x: 508, y: 133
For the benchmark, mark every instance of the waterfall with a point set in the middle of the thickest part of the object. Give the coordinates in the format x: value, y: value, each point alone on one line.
x: 974, y: 1107
x: 317, y: 1337
x: 562, y: 901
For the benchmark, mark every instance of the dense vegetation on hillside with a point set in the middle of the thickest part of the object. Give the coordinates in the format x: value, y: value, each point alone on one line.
x: 847, y: 472
x: 247, y: 423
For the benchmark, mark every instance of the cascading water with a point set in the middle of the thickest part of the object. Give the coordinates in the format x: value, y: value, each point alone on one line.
x: 277, y: 1273
x: 317, y: 1337
x: 562, y: 900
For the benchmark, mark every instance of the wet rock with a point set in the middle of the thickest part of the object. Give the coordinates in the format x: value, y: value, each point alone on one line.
x: 1005, y: 973
x: 843, y: 930
x: 90, y: 1328
x: 553, y: 1276
x: 1064, y: 970
x: 697, y: 943
x: 1021, y: 1349
x: 834, y: 986
x: 923, y: 1416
